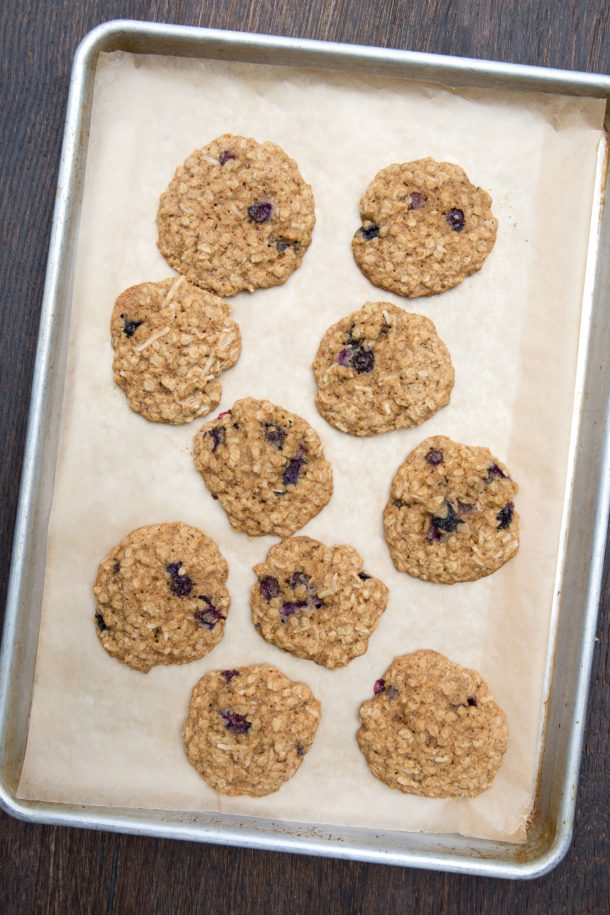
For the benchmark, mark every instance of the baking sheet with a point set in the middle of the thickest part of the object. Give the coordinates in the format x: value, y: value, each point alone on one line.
x: 102, y: 734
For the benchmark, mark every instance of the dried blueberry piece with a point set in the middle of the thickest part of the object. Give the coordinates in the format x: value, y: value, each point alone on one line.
x: 239, y: 724
x: 494, y: 471
x: 379, y: 686
x: 275, y: 435
x: 293, y: 469
x: 219, y: 437
x: 416, y: 200
x: 434, y: 457
x: 225, y: 155
x: 300, y: 750
x: 291, y: 606
x: 363, y: 576
x: 449, y: 523
x: 363, y: 360
x: 299, y: 579
x: 456, y: 219
x: 345, y: 357
x: 472, y: 700
x: 369, y: 232
x: 116, y: 567
x: 228, y: 675
x: 464, y: 508
x: 269, y: 587
x: 433, y: 534
x: 101, y: 622
x: 282, y: 244
x: 130, y: 327
x: 211, y: 615
x: 391, y: 691
x: 399, y: 503
x: 181, y: 585
x: 260, y: 212
x: 505, y: 516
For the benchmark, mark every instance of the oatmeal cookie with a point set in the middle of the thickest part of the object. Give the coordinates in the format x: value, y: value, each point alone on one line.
x: 266, y: 466
x: 161, y: 596
x: 432, y: 728
x: 249, y: 729
x: 451, y: 515
x: 425, y: 228
x: 237, y: 215
x: 171, y: 341
x: 381, y: 368
x: 316, y: 602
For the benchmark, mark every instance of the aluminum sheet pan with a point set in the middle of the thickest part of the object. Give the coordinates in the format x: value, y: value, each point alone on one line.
x: 583, y: 539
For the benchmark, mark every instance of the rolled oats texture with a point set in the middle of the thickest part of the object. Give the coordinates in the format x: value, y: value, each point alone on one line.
x: 317, y: 602
x: 432, y: 728
x: 171, y: 342
x: 381, y: 368
x: 161, y: 596
x: 451, y: 516
x: 425, y: 228
x: 249, y: 728
x: 236, y: 216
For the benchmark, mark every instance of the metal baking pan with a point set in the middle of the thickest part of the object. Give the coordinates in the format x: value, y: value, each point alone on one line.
x: 584, y: 521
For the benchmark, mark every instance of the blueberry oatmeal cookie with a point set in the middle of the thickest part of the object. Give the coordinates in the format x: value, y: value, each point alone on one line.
x: 381, y: 368
x: 236, y: 216
x: 425, y: 228
x: 266, y: 466
x: 317, y: 602
x: 451, y: 514
x: 432, y: 728
x: 161, y: 596
x: 171, y: 341
x: 248, y: 729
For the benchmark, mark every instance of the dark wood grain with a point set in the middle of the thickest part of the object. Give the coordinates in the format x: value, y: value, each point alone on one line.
x: 46, y: 869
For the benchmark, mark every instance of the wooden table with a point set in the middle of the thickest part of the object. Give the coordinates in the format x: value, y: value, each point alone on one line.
x: 47, y: 869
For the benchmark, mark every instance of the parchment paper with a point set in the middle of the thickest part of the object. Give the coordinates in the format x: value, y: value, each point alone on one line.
x: 103, y: 734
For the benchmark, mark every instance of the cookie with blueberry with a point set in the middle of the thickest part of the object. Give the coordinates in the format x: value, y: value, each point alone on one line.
x: 237, y: 215
x: 249, y: 729
x: 317, y: 602
x: 381, y: 368
x: 451, y: 514
x: 266, y: 466
x: 425, y: 228
x: 171, y: 342
x: 432, y: 728
x: 161, y: 596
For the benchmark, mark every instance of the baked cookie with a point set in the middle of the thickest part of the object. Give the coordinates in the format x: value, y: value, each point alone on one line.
x: 381, y: 368
x: 432, y: 728
x: 316, y: 602
x: 171, y: 341
x: 249, y: 729
x: 161, y: 596
x: 266, y: 466
x: 237, y: 215
x: 451, y: 515
x: 425, y: 228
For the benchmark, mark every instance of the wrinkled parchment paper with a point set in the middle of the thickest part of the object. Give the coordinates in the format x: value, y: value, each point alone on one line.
x: 103, y: 734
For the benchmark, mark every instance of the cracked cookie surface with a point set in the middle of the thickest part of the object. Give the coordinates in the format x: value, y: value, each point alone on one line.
x: 317, y: 602
x: 266, y: 466
x: 161, y: 596
x: 236, y: 216
x: 249, y: 729
x: 432, y: 728
x: 381, y: 368
x: 451, y: 515
x: 171, y: 341
x: 425, y: 228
